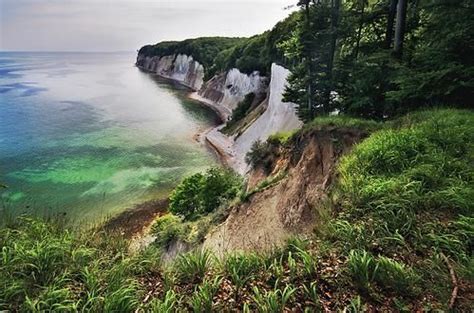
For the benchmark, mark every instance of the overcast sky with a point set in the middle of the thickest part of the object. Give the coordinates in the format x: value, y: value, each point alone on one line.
x: 126, y: 25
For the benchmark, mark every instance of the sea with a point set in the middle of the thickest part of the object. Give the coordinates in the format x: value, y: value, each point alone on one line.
x: 89, y: 135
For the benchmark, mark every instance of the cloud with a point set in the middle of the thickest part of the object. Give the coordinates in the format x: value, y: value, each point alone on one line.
x: 113, y: 25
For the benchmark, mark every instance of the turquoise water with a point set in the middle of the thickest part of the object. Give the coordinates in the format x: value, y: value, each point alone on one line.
x: 90, y: 135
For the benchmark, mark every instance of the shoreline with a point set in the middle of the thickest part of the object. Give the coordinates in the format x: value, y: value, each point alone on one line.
x: 135, y: 223
x: 224, y: 154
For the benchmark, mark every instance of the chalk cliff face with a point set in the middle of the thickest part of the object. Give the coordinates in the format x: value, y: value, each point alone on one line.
x: 228, y: 89
x: 278, y: 116
x: 181, y: 68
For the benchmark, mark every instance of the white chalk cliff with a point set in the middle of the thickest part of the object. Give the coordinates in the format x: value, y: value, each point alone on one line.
x: 181, y: 68
x: 226, y: 90
x: 279, y: 116
x: 223, y: 93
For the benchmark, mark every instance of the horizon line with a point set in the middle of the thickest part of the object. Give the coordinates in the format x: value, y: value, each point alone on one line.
x: 66, y: 51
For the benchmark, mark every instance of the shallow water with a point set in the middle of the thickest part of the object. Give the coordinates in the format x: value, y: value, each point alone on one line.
x: 90, y: 135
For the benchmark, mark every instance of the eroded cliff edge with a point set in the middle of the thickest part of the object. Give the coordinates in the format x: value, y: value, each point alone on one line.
x: 288, y: 195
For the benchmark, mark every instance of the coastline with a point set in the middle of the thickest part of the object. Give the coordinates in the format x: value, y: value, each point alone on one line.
x: 135, y: 223
x: 214, y: 140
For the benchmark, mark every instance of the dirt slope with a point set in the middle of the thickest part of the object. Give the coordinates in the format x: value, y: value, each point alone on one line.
x: 293, y: 203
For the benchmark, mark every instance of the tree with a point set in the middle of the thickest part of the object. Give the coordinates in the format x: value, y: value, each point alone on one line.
x: 362, y: 4
x: 400, y: 27
x: 392, y: 10
x: 201, y: 194
x: 310, y: 83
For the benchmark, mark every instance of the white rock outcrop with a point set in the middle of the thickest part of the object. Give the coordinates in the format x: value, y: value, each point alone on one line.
x: 227, y: 90
x: 181, y: 68
x: 279, y: 116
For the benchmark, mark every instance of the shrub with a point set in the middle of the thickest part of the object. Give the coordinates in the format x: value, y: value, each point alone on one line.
x: 259, y: 155
x: 167, y: 228
x: 280, y: 138
x: 201, y: 194
x: 240, y: 111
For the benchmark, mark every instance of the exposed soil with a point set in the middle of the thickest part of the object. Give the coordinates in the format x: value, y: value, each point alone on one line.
x: 292, y: 205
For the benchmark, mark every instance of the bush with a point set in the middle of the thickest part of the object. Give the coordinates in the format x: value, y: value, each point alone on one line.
x: 201, y: 194
x: 167, y: 228
x: 259, y: 155
x: 240, y: 112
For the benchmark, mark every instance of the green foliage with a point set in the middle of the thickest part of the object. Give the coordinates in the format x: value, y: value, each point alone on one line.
x: 260, y: 154
x: 362, y: 267
x: 258, y: 52
x: 344, y: 121
x: 168, y: 304
x: 204, y: 49
x: 342, y: 58
x: 202, y: 300
x: 44, y: 267
x: 387, y: 273
x: 273, y: 300
x: 396, y: 276
x: 167, y: 229
x: 264, y: 184
x: 404, y: 199
x: 201, y: 194
x: 406, y: 194
x: 192, y: 266
x: 239, y: 112
x: 219, y: 54
x: 310, y: 80
x: 425, y: 166
x: 312, y: 293
x: 241, y: 268
x: 439, y: 69
x: 281, y: 138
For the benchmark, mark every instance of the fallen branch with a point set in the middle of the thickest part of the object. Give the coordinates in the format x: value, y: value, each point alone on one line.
x: 454, y: 280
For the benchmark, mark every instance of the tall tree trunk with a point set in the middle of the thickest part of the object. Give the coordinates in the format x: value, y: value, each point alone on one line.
x: 400, y: 27
x: 335, y: 4
x: 359, y: 31
x: 390, y: 20
x: 309, y: 65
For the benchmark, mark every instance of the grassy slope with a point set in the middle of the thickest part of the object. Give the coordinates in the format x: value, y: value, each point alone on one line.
x: 403, y: 217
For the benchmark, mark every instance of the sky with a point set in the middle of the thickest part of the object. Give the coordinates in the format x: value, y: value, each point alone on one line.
x: 126, y: 25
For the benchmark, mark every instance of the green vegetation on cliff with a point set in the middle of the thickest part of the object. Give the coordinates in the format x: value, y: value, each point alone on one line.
x: 204, y: 49
x: 399, y: 237
x: 218, y: 54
